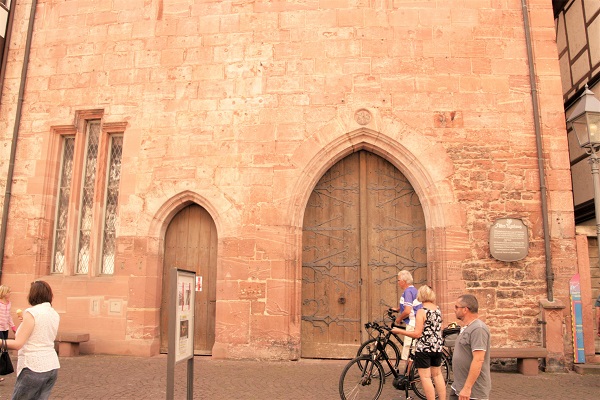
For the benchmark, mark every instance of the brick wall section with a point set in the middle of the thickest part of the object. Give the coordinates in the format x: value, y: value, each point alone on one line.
x: 242, y: 106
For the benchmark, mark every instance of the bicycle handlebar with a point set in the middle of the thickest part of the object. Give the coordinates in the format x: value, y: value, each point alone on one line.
x: 382, y: 327
x: 376, y: 326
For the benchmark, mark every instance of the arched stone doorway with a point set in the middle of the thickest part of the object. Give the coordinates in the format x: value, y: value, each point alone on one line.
x: 191, y: 244
x: 363, y: 223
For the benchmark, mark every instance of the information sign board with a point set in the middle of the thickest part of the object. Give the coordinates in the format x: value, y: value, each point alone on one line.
x: 509, y: 239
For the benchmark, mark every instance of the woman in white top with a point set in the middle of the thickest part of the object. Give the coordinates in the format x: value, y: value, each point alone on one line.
x: 37, y: 368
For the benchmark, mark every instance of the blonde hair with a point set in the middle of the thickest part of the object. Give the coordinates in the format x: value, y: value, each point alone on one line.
x: 4, y: 290
x: 425, y: 293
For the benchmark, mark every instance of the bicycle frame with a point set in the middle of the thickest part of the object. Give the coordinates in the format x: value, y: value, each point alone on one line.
x: 369, y: 344
x: 379, y: 354
x: 382, y: 354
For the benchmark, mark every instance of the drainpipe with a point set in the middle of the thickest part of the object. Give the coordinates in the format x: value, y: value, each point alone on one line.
x: 13, y: 148
x: 540, y: 154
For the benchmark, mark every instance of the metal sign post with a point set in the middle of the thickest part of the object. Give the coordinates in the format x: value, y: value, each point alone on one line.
x: 181, y: 328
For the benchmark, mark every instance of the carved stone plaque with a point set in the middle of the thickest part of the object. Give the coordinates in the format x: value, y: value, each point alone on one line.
x: 362, y: 116
x: 509, y: 239
x: 252, y: 290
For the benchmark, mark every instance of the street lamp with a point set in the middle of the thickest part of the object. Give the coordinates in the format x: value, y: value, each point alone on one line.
x: 585, y: 121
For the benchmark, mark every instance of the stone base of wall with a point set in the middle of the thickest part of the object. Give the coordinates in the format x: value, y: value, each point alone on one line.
x: 555, y: 362
x: 139, y: 348
x: 257, y: 351
x: 554, y: 335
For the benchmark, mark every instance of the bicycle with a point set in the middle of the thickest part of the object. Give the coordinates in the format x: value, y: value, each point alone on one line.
x: 364, y: 376
x: 450, y: 335
x: 393, y: 350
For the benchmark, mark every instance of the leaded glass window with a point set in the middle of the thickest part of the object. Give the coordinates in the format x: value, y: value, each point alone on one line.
x: 87, y: 198
x: 62, y: 212
x: 111, y: 203
x: 90, y: 174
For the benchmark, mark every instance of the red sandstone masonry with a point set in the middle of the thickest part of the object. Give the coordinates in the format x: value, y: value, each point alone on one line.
x: 246, y: 105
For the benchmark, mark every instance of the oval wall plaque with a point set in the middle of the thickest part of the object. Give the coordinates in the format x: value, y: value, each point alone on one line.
x: 509, y: 239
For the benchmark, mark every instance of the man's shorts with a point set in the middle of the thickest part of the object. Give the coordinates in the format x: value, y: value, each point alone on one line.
x: 407, y: 343
x: 427, y: 360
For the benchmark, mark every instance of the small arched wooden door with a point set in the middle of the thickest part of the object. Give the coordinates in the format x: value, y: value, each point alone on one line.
x: 191, y: 244
x: 363, y: 223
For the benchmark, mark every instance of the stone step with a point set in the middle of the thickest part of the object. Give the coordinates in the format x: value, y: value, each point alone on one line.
x: 587, y: 369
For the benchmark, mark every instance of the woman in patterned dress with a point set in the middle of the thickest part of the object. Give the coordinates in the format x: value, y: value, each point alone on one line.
x: 428, y: 349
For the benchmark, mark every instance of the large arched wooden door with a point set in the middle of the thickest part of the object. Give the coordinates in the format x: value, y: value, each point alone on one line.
x: 191, y: 244
x: 363, y: 223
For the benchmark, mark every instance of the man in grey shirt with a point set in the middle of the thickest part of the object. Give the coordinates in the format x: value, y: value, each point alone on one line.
x: 471, y: 358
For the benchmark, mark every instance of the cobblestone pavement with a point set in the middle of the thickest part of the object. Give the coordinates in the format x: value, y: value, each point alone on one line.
x: 122, y: 377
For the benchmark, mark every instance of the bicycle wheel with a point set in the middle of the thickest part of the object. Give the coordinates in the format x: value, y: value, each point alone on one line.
x: 415, y: 379
x: 448, y: 375
x: 391, y: 350
x: 364, y: 383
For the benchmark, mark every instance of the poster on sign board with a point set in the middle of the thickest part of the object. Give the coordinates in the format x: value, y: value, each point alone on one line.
x: 184, y: 321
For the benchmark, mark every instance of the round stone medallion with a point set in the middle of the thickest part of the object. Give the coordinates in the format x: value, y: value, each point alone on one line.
x: 362, y: 116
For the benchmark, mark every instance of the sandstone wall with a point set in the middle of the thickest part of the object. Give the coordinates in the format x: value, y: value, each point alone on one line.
x: 241, y: 106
